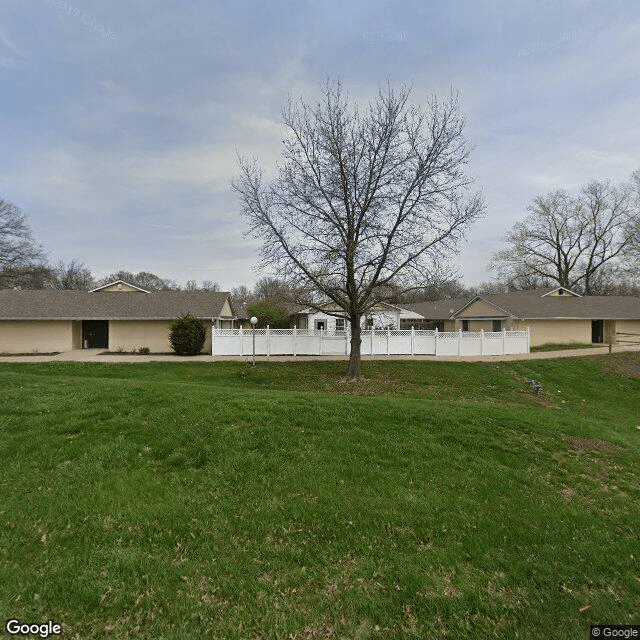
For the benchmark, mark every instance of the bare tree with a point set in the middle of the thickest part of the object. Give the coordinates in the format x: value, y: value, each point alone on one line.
x: 142, y: 279
x: 576, y: 242
x: 191, y: 285
x: 242, y: 294
x: 20, y: 254
x: 210, y: 285
x: 366, y: 203
x: 72, y: 275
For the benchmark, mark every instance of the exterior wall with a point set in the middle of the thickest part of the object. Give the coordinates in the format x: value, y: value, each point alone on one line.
x: 29, y: 336
x: 560, y: 331
x: 627, y: 326
x: 449, y: 325
x: 565, y: 293
x: 480, y: 308
x: 130, y: 335
x: 380, y: 319
x: 76, y: 334
x: 226, y: 310
x: 477, y: 325
x: 119, y: 287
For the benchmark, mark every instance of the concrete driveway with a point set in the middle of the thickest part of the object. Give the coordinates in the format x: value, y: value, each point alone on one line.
x: 99, y: 355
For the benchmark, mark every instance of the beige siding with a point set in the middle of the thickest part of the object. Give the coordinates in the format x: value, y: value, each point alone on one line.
x: 76, y: 334
x: 130, y: 335
x: 561, y: 331
x: 226, y: 310
x: 29, y: 336
x: 476, y: 325
x: 481, y: 309
x: 628, y: 326
x: 565, y: 293
x: 119, y: 287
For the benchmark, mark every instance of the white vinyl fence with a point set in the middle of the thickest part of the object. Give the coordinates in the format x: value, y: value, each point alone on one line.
x: 310, y: 342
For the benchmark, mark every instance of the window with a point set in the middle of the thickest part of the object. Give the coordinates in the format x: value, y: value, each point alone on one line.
x: 465, y: 325
x: 369, y: 323
x: 321, y: 324
x: 339, y: 324
x: 497, y: 325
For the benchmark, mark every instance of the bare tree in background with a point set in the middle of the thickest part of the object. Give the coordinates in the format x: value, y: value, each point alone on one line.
x: 70, y: 275
x: 20, y: 255
x: 210, y: 285
x: 242, y: 294
x: 368, y: 202
x: 580, y: 242
x: 142, y: 279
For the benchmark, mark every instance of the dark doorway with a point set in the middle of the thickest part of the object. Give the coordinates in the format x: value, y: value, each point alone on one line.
x: 597, y: 331
x: 96, y: 333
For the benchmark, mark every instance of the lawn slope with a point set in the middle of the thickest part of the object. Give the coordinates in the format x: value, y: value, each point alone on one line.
x: 435, y: 500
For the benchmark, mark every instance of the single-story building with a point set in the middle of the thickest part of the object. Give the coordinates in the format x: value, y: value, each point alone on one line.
x: 551, y: 314
x: 383, y: 316
x: 117, y: 317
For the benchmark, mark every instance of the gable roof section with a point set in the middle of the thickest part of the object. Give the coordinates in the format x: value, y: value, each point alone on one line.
x: 120, y: 285
x: 110, y: 305
x: 534, y: 306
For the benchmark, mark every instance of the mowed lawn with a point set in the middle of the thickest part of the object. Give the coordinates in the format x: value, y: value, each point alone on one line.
x: 435, y: 500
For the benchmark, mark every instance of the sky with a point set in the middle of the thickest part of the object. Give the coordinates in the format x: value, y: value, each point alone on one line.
x: 121, y: 122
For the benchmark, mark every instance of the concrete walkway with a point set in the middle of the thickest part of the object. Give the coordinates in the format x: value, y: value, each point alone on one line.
x: 99, y: 355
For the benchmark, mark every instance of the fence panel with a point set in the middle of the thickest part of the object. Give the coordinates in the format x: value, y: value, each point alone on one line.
x: 448, y: 343
x: 227, y: 342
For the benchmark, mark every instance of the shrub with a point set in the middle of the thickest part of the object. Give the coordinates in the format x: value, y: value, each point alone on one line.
x: 187, y: 335
x: 270, y: 313
x: 144, y: 351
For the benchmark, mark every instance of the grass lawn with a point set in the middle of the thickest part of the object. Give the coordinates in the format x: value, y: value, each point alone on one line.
x: 436, y: 500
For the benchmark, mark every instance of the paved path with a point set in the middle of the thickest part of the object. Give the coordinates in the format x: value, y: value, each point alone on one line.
x: 99, y: 355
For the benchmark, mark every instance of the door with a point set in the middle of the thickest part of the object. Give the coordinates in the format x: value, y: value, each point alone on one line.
x: 597, y: 331
x: 96, y: 333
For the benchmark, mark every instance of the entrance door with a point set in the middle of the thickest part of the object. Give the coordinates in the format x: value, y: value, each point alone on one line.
x: 96, y: 332
x: 597, y: 331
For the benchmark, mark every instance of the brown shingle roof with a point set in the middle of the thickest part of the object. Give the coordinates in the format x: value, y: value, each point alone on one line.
x: 531, y: 305
x: 439, y: 309
x: 106, y: 305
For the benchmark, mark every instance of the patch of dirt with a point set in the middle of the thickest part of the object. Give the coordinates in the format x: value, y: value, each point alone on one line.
x: 592, y: 444
x: 627, y: 364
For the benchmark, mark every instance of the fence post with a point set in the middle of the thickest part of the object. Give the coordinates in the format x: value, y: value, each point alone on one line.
x: 213, y: 352
x: 268, y: 342
x: 321, y: 341
x: 388, y: 338
x: 371, y: 350
x: 240, y: 350
x: 460, y: 341
x: 413, y: 336
x: 528, y: 341
x: 347, y: 330
x: 436, y: 340
x: 481, y: 342
x: 295, y: 340
x: 504, y: 342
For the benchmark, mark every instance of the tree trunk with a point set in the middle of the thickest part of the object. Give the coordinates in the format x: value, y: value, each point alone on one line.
x: 353, y: 370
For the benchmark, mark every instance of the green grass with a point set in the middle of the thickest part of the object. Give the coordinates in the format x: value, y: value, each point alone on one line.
x: 435, y: 500
x: 562, y: 346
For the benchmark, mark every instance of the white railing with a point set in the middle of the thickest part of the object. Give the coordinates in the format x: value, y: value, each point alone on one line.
x: 310, y: 342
